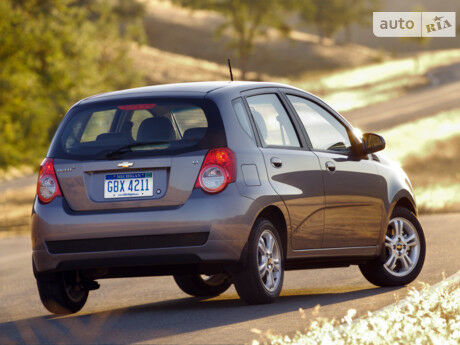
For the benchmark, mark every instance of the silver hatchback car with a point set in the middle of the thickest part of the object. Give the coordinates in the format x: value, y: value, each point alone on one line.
x: 216, y: 183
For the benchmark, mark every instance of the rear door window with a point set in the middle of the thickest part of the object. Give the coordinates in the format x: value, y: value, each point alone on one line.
x: 242, y: 116
x: 275, y: 126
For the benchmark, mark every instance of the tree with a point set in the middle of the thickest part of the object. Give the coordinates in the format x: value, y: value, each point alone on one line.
x: 323, y: 14
x: 245, y: 21
x: 418, y: 41
x: 330, y: 16
x: 52, y: 53
x: 357, y: 12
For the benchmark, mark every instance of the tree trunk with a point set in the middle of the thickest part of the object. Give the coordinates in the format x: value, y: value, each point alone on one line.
x: 321, y: 36
x: 348, y: 34
x: 243, y: 66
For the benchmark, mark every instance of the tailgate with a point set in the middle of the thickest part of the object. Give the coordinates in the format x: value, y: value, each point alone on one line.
x: 141, y: 182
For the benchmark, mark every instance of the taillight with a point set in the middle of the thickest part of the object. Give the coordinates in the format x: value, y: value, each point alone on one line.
x: 47, y: 185
x: 217, y: 171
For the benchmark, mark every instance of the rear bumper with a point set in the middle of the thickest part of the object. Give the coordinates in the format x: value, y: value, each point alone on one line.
x: 207, y: 229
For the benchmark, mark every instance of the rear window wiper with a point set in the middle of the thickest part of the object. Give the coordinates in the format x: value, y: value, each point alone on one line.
x: 128, y: 148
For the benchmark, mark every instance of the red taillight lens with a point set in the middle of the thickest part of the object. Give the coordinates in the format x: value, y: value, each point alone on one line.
x: 47, y: 185
x: 217, y: 171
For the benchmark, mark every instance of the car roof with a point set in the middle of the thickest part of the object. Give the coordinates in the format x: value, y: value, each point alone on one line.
x: 183, y: 89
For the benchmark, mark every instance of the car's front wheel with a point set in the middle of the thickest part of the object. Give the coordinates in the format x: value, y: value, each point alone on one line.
x: 200, y: 285
x: 404, y: 252
x: 261, y: 280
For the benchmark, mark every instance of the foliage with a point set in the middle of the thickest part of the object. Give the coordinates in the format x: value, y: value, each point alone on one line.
x: 53, y: 53
x: 330, y: 16
x: 430, y: 316
x: 246, y: 20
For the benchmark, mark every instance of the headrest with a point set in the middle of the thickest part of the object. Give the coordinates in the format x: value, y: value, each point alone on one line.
x: 112, y: 139
x: 258, y: 118
x: 195, y: 133
x: 157, y: 128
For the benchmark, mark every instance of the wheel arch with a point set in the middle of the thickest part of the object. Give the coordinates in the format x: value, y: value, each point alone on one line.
x: 403, y: 198
x: 405, y: 202
x: 277, y: 218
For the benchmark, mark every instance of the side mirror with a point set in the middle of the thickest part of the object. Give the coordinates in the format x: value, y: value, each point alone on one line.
x: 372, y: 143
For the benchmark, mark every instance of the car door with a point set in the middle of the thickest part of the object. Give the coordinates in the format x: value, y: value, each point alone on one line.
x: 354, y: 191
x: 293, y: 170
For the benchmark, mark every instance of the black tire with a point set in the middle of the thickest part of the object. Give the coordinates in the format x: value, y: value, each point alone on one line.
x: 196, y: 285
x: 248, y: 282
x: 60, y: 294
x: 375, y: 271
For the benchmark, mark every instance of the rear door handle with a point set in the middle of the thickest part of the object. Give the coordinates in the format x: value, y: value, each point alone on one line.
x: 276, y: 162
x: 330, y: 166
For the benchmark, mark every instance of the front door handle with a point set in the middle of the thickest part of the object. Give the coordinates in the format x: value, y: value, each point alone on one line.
x: 276, y: 162
x: 330, y: 166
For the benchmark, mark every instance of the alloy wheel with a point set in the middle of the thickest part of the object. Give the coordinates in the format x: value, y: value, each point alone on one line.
x: 402, y: 247
x: 269, y: 260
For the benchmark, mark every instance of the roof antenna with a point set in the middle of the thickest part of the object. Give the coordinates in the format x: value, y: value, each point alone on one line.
x: 230, y: 69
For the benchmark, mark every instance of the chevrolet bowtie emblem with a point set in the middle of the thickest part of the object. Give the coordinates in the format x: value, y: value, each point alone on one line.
x: 125, y: 164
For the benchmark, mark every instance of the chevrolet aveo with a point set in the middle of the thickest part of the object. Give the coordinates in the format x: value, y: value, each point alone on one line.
x: 216, y: 183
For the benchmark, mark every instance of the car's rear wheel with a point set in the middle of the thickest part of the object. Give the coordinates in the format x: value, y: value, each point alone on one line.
x: 200, y: 285
x: 61, y: 292
x: 261, y: 280
x: 404, y: 252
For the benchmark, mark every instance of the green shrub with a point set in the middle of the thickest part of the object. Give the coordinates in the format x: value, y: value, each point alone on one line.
x: 53, y: 53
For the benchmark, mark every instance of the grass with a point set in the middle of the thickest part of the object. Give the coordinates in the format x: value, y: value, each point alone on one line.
x: 428, y: 316
x: 373, y: 83
x: 15, y: 172
x: 15, y: 208
x: 428, y: 150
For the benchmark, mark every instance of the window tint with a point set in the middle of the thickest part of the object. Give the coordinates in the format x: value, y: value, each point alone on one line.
x: 99, y: 122
x: 273, y: 122
x: 137, y: 118
x: 166, y: 126
x: 242, y: 116
x: 188, y: 118
x: 323, y: 129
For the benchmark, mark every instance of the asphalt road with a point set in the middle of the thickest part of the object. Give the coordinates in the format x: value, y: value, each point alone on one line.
x: 154, y: 310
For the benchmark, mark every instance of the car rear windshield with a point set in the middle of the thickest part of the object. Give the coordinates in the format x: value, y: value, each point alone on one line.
x: 151, y: 127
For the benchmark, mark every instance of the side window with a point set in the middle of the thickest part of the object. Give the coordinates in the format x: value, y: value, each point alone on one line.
x: 323, y: 129
x: 99, y: 123
x: 189, y: 118
x: 273, y: 122
x: 242, y: 116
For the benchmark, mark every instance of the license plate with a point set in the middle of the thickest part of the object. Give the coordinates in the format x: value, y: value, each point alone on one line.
x: 128, y: 185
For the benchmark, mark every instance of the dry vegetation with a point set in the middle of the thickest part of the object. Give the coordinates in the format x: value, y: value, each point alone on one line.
x: 15, y: 208
x: 428, y: 150
x: 182, y: 47
x: 429, y: 316
x: 173, y: 29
